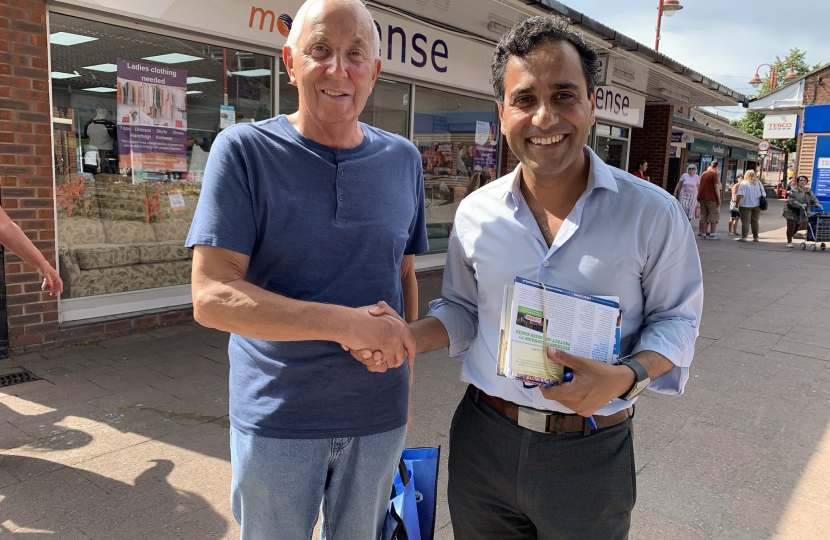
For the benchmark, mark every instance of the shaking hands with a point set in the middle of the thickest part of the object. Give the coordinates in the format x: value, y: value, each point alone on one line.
x: 381, y: 339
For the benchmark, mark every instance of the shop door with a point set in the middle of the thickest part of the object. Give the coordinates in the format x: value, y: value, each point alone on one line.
x: 674, y: 174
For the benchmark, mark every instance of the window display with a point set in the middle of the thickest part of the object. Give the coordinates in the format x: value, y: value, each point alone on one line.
x: 134, y: 117
x: 458, y: 139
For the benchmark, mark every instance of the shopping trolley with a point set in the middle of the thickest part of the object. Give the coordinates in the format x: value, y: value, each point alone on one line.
x: 818, y: 230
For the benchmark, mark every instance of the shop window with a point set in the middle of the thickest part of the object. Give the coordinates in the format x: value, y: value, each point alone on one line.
x: 612, y: 144
x: 135, y: 115
x: 458, y: 139
x: 386, y: 108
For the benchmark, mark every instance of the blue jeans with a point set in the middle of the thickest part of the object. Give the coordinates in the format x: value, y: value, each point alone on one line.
x: 279, y: 484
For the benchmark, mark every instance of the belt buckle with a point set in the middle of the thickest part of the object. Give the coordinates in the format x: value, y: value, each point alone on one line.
x: 533, y: 420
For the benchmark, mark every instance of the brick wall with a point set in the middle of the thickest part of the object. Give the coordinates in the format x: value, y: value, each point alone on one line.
x: 26, y: 190
x: 817, y: 88
x: 652, y: 143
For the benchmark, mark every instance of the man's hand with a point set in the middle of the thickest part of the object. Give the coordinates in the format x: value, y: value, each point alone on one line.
x: 594, y: 384
x: 381, y: 338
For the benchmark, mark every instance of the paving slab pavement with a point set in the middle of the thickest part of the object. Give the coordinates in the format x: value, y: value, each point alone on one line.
x: 128, y: 438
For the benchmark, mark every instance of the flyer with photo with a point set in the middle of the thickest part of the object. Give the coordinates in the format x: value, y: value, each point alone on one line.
x: 582, y: 325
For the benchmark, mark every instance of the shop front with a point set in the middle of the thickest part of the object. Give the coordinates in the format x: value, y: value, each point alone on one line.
x: 135, y: 113
x: 618, y: 110
x: 115, y: 108
x: 702, y: 152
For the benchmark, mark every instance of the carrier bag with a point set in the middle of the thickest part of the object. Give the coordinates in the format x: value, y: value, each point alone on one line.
x: 424, y: 464
x: 401, y: 521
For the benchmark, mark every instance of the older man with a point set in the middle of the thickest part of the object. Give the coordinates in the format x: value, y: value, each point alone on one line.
x: 565, y: 218
x: 303, y: 219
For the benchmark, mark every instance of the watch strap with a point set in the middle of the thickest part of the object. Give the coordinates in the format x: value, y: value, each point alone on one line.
x: 638, y: 369
x: 641, y: 375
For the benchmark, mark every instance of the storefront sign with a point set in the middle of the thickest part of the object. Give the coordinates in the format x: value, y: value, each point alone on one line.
x: 482, y: 132
x: 674, y: 152
x: 152, y: 122
x: 407, y: 48
x: 682, y: 137
x: 708, y: 148
x: 780, y: 126
x: 620, y: 106
x: 740, y: 153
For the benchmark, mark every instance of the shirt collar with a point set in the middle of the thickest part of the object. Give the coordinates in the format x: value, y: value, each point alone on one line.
x: 599, y: 176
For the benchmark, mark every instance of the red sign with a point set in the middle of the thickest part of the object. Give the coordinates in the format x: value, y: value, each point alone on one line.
x: 763, y: 146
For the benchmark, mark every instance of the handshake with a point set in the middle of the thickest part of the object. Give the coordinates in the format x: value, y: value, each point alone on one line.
x: 381, y: 339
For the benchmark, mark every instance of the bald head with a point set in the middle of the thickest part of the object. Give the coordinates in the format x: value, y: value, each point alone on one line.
x: 315, y: 10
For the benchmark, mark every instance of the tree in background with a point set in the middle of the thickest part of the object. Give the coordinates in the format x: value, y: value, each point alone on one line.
x: 752, y: 122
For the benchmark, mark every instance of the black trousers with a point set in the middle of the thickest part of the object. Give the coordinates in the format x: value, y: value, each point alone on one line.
x: 510, y: 483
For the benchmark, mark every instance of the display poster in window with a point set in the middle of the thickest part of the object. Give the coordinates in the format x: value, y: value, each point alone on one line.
x: 176, y: 201
x: 443, y: 162
x: 822, y: 184
x: 152, y: 119
x: 227, y: 116
x: 486, y: 154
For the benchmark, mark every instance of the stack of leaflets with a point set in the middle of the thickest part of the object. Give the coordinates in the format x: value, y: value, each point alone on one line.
x: 582, y: 325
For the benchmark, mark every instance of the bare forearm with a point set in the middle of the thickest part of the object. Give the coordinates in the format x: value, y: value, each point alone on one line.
x: 655, y: 363
x: 244, y: 309
x: 16, y: 241
x: 430, y: 334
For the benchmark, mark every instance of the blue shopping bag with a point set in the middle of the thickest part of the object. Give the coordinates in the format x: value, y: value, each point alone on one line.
x: 423, y: 462
x: 402, y: 513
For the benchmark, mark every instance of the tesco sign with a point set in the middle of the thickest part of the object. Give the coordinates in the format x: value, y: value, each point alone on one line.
x: 780, y: 126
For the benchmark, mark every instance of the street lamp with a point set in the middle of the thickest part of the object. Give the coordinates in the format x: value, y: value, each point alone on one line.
x: 667, y: 8
x: 773, y: 76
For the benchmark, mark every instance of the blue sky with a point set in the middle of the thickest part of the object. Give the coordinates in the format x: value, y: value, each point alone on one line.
x: 724, y: 39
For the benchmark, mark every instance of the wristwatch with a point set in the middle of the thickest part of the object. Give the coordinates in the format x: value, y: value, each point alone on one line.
x: 641, y: 382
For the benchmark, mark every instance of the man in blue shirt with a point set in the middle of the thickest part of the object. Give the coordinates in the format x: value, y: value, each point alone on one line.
x: 526, y: 463
x: 302, y: 220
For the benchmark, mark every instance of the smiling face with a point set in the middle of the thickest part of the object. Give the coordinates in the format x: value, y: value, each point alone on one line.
x: 333, y: 64
x: 547, y: 114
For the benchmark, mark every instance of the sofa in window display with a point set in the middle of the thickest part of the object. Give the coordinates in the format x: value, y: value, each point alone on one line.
x: 123, y: 237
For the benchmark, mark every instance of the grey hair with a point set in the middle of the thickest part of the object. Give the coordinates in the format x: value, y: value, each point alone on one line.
x: 530, y: 33
x: 299, y: 22
x: 691, y: 166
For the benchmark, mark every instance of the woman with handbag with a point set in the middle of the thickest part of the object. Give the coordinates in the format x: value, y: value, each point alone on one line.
x: 734, y: 215
x: 799, y: 200
x: 750, y: 193
x: 686, y: 191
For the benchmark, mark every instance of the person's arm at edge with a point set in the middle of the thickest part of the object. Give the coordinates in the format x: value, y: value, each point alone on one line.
x: 223, y: 300
x: 18, y: 243
x: 409, y: 286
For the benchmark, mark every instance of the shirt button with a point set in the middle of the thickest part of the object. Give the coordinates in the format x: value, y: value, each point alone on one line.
x: 341, y: 173
x: 542, y: 409
x: 342, y: 198
x: 546, y: 264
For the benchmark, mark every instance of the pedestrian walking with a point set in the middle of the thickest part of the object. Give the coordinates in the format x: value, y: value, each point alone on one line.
x: 799, y: 201
x: 302, y: 220
x: 750, y: 191
x: 734, y: 214
x: 18, y: 243
x: 686, y: 191
x: 642, y: 167
x: 558, y: 478
x: 709, y: 198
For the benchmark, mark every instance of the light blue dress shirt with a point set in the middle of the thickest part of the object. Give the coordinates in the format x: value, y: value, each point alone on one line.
x: 624, y: 237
